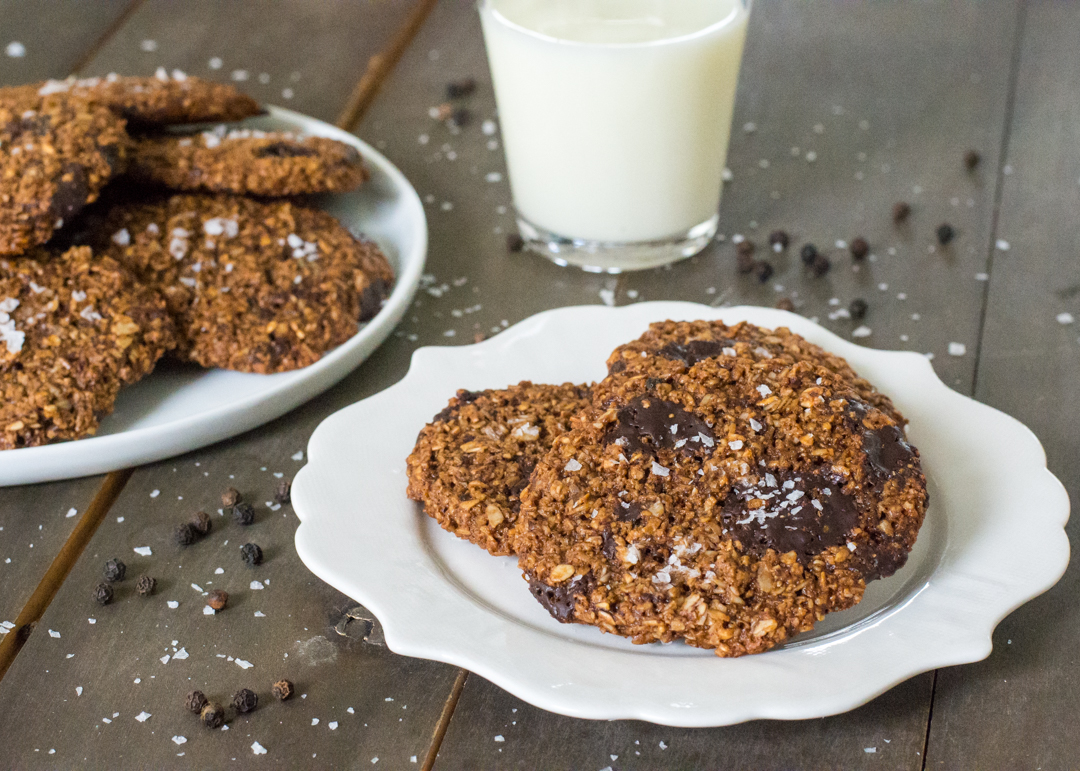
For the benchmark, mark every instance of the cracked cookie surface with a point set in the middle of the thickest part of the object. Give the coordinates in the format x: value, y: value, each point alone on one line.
x: 471, y: 462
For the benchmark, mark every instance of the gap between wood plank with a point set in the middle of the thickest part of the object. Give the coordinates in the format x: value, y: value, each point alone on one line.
x: 121, y: 20
x: 380, y: 66
x: 444, y: 719
x: 56, y: 574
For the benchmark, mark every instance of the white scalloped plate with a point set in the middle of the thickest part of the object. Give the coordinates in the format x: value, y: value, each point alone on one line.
x: 180, y: 408
x: 442, y: 598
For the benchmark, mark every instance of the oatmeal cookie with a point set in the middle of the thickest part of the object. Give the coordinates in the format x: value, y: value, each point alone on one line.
x: 159, y: 100
x: 74, y: 328
x: 56, y: 154
x: 249, y: 162
x: 731, y: 505
x: 676, y: 346
x: 472, y: 461
x: 254, y: 286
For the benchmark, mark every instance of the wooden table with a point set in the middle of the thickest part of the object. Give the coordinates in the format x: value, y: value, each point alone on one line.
x: 857, y: 105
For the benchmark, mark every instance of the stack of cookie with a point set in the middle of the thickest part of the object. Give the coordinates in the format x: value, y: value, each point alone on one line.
x: 199, y: 244
x: 726, y: 486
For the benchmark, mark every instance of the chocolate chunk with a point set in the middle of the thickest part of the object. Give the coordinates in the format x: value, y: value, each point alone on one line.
x: 284, y: 150
x: 647, y: 424
x: 803, y: 512
x: 875, y: 561
x: 886, y: 449
x: 692, y: 352
x: 629, y: 512
x: 463, y: 397
x: 72, y: 190
x: 609, y: 548
x: 559, y: 600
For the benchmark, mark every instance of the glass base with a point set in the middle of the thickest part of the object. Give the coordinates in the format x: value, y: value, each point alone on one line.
x: 612, y: 256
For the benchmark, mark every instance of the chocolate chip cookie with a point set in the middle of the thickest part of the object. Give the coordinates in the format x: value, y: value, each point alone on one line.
x: 474, y: 458
x: 248, y: 161
x: 160, y: 100
x: 731, y: 505
x: 254, y: 286
x: 74, y: 328
x: 56, y: 154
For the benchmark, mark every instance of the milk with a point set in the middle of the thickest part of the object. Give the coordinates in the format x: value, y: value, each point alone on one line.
x: 615, y: 114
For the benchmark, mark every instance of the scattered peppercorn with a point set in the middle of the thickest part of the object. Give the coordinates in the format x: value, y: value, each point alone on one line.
x: 763, y: 271
x: 744, y: 263
x: 746, y: 247
x: 283, y: 494
x: 251, y: 554
x: 195, y: 702
x: 212, y: 715
x: 243, y: 513
x: 779, y: 238
x: 115, y: 570
x: 820, y: 266
x: 785, y: 304
x: 858, y: 308
x: 460, y: 117
x: 185, y: 534
x: 807, y: 254
x: 859, y: 248
x: 945, y: 233
x: 900, y: 212
x: 971, y: 159
x: 460, y: 88
x: 103, y: 593
x: 201, y: 522
x: 230, y: 497
x: 145, y: 585
x: 283, y: 689
x: 245, y: 700
x: 217, y: 599
x: 514, y: 242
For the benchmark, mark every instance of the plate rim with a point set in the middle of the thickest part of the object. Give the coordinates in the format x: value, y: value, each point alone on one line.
x: 102, y: 454
x: 959, y: 627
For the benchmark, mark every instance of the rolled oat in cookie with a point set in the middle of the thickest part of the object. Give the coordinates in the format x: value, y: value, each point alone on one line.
x: 74, y: 328
x: 472, y: 461
x: 254, y: 286
x: 730, y: 505
x: 249, y: 162
x: 161, y: 100
x: 56, y: 154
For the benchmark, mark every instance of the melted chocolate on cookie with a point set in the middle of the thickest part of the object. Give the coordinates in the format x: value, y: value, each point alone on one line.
x: 649, y: 424
x: 559, y: 600
x: 690, y: 353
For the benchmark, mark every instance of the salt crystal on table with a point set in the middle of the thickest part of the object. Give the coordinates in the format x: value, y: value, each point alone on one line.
x: 500, y: 738
x: 663, y: 746
x: 173, y: 604
x: 164, y: 659
x: 862, y: 331
x: 78, y: 690
x: 1065, y: 318
x: 332, y: 726
x: 53, y: 633
x: 143, y: 551
x: 957, y: 349
x: 255, y: 585
x: 298, y: 455
x: 207, y: 610
x: 244, y: 664
x: 179, y: 739
x: 142, y: 717
x: 15, y: 49
x: 258, y: 749
x: 155, y: 493
x: 72, y: 512
x: 314, y: 721
x: 181, y: 654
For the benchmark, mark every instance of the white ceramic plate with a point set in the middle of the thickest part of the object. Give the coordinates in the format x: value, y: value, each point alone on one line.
x: 993, y: 539
x: 179, y: 408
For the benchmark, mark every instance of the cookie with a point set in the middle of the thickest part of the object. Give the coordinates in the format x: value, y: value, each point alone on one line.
x: 56, y: 154
x: 74, y: 328
x: 730, y: 505
x: 250, y: 162
x: 474, y: 458
x: 675, y: 346
x: 159, y: 100
x: 254, y: 286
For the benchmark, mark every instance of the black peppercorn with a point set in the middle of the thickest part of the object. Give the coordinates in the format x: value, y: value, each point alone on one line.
x: 859, y: 248
x: 212, y: 715
x: 971, y: 159
x: 746, y: 247
x: 779, y: 238
x: 115, y: 570
x: 201, y: 522
x: 460, y: 88
x: 460, y: 117
x: 230, y: 497
x: 145, y: 585
x: 820, y: 266
x: 514, y: 242
x: 282, y: 689
x: 103, y: 594
x: 283, y: 494
x: 195, y: 701
x: 945, y: 233
x: 245, y: 700
x: 251, y: 554
x: 243, y: 513
x: 744, y: 263
x: 217, y: 599
x: 785, y: 304
x: 807, y: 254
x: 763, y: 271
x: 185, y: 534
x: 900, y: 212
x: 858, y: 308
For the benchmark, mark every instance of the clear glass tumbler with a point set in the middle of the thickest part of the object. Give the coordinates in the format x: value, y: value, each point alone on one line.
x: 615, y: 118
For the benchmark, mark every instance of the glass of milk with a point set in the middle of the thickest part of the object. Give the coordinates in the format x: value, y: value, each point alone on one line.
x: 615, y: 119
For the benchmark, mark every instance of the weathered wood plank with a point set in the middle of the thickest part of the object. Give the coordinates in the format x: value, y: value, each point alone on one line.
x: 1013, y: 710
x: 49, y: 38
x: 911, y: 86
